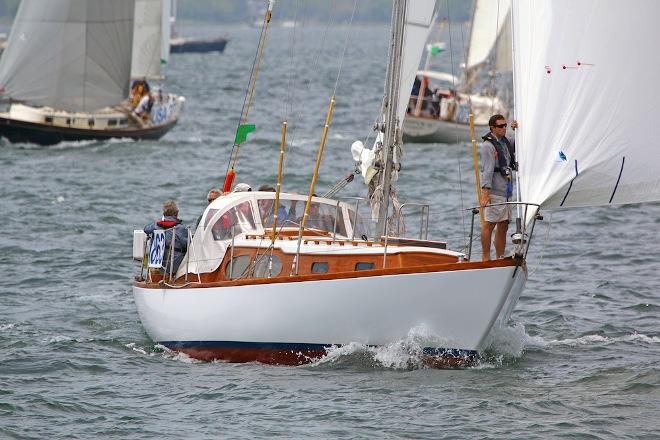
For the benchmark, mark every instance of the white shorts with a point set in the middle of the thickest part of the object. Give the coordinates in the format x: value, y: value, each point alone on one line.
x: 499, y: 213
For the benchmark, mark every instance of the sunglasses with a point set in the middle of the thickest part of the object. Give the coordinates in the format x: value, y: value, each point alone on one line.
x: 500, y: 125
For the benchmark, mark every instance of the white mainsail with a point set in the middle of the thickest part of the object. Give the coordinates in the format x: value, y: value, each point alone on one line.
x: 72, y: 55
x: 151, y: 35
x: 587, y: 102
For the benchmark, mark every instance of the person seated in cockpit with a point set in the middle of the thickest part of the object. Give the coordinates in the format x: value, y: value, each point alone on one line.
x: 266, y: 209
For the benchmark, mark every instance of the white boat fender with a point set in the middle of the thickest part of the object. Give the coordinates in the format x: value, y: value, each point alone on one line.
x: 365, y: 159
x: 139, y: 240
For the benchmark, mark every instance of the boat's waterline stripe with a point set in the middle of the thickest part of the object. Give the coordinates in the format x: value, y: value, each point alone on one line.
x: 288, y: 346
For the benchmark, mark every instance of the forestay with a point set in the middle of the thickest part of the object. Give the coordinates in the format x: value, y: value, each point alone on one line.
x: 587, y: 101
x: 151, y: 35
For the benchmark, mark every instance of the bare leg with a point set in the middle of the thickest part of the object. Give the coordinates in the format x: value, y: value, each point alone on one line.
x: 486, y: 235
x: 500, y: 238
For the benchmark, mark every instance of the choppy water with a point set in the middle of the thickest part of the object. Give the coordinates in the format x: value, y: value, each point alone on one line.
x: 580, y: 360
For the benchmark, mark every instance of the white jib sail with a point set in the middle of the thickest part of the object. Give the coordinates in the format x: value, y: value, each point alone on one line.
x: 587, y: 101
x: 148, y: 39
x: 419, y: 19
x: 72, y: 55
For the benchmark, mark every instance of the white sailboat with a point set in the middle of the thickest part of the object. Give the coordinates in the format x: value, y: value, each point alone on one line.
x: 66, y: 75
x: 249, y: 291
x: 486, y: 86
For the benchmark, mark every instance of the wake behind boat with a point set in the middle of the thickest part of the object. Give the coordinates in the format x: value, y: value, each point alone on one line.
x: 76, y: 87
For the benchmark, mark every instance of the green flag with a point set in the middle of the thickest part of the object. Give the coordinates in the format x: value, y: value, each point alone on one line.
x: 242, y: 132
x: 435, y: 48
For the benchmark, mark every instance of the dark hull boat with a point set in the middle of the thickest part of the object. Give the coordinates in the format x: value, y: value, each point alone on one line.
x: 83, y: 96
x: 183, y: 45
x: 46, y: 134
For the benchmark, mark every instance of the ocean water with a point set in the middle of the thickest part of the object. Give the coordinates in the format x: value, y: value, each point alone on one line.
x: 581, y: 358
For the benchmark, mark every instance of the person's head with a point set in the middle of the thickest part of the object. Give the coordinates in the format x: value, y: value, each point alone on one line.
x: 265, y: 206
x: 240, y: 187
x: 213, y: 194
x: 170, y: 209
x: 497, y: 124
x: 266, y: 188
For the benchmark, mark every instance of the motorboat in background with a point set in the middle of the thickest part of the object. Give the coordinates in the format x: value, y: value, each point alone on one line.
x: 66, y: 74
x: 184, y: 45
x: 440, y: 107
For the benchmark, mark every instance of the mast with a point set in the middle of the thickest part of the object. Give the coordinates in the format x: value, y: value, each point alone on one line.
x: 391, y: 135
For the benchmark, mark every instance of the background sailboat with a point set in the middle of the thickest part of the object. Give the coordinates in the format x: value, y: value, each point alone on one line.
x: 66, y: 74
x: 486, y: 88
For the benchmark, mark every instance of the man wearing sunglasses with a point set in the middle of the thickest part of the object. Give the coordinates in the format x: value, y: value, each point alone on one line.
x: 497, y: 165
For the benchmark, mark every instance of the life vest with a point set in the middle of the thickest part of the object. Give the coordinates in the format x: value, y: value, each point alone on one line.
x: 167, y: 224
x: 501, y: 157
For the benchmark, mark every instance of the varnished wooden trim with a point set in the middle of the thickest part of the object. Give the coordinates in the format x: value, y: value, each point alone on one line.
x: 503, y: 262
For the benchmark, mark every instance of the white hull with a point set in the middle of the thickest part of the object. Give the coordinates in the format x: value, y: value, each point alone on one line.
x: 424, y: 129
x: 457, y: 308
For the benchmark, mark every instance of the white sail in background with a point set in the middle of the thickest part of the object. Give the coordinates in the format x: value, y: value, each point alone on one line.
x: 419, y: 19
x: 490, y: 31
x: 149, y: 42
x: 587, y: 101
x: 166, y: 31
x: 72, y: 55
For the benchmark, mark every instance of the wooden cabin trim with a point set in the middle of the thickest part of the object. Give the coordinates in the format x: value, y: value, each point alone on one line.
x: 283, y: 278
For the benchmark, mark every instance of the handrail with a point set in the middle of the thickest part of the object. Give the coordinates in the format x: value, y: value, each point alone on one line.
x: 524, y: 239
x: 424, y: 218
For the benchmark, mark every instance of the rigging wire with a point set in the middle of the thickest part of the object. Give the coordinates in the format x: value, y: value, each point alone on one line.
x: 315, y: 64
x: 458, y: 151
x: 490, y: 61
x: 288, y: 106
x: 249, y: 90
x: 343, y: 53
x: 545, y: 242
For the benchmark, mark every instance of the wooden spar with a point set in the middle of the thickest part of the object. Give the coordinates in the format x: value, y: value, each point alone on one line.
x: 475, y: 159
x: 420, y: 96
x: 278, y: 186
x: 319, y: 155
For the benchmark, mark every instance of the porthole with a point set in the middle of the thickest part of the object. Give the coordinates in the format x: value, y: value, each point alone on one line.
x: 261, y: 268
x: 238, y: 267
x: 364, y: 266
x: 319, y: 267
